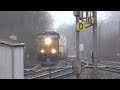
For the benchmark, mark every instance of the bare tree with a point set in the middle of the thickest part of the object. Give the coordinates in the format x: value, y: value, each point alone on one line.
x: 25, y: 25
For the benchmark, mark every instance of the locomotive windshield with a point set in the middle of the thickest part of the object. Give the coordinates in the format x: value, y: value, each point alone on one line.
x: 50, y: 34
x: 44, y: 36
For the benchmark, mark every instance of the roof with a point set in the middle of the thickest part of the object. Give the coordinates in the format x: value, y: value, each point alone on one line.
x: 48, y: 32
x: 11, y: 42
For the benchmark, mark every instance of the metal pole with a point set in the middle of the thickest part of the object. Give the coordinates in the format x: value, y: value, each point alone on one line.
x: 77, y: 63
x: 119, y: 38
x: 78, y: 47
x: 77, y: 42
x: 95, y: 44
x: 99, y: 44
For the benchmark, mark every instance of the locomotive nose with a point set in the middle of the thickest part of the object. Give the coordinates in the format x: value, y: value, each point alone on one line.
x: 48, y: 61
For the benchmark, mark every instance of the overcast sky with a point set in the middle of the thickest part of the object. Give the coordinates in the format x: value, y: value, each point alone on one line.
x: 67, y: 17
x: 61, y: 17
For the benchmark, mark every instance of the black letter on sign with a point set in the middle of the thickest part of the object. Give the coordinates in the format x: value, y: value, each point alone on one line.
x: 89, y: 20
x: 80, y: 26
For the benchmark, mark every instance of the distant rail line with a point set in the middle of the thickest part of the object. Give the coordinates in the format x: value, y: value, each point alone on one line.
x: 113, y: 67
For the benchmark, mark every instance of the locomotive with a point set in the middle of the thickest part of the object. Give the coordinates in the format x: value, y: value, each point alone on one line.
x: 49, y: 47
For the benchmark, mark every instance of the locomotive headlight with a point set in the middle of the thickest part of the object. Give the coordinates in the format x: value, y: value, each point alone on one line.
x: 53, y: 51
x: 48, y: 41
x: 42, y: 51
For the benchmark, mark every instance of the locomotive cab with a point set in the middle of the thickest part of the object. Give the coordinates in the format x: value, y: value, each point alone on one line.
x: 48, y: 47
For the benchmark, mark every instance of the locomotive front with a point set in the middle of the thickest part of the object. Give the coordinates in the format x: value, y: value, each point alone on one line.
x: 48, y: 47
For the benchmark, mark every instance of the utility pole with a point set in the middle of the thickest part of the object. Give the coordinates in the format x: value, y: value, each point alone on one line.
x: 78, y: 47
x: 119, y: 38
x: 95, y: 44
x: 99, y: 44
x: 77, y: 63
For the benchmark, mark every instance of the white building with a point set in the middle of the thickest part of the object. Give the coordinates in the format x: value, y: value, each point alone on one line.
x: 11, y: 59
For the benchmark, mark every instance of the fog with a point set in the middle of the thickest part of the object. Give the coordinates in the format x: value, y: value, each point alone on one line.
x: 108, y: 33
x: 67, y: 17
x: 26, y: 24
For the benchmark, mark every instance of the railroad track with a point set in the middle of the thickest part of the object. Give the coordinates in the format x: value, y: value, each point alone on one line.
x: 63, y: 68
x: 110, y: 69
x: 35, y: 73
x: 31, y: 70
x: 109, y: 63
x: 62, y: 72
x: 55, y: 74
x: 104, y: 64
x: 64, y: 76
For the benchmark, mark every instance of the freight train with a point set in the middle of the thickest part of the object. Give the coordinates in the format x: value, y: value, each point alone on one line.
x: 51, y: 47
